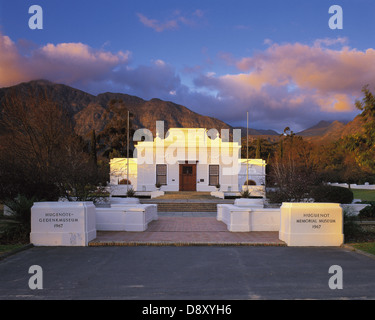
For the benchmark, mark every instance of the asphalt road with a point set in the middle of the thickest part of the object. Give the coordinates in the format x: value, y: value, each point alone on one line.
x: 186, y: 273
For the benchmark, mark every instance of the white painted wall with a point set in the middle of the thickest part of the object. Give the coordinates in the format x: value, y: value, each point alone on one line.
x: 365, y: 186
x: 178, y: 147
x: 246, y: 219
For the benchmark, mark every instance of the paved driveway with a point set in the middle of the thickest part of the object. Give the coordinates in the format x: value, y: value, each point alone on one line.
x: 185, y: 273
x: 187, y: 230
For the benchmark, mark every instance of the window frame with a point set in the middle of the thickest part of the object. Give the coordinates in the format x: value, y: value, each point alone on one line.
x: 213, y: 175
x: 157, y: 174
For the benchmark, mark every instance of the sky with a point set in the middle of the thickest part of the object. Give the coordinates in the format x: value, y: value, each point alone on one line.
x: 277, y: 60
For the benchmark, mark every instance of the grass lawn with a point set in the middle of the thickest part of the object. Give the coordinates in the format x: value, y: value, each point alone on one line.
x: 364, y: 195
x: 4, y: 248
x: 367, y: 247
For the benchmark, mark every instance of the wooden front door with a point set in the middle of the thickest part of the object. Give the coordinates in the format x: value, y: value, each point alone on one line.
x: 188, y: 177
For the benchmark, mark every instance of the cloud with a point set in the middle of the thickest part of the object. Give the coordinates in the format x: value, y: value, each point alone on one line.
x: 173, y: 23
x: 157, y: 25
x: 198, y: 13
x: 311, y: 67
x: 85, y: 68
x: 330, y: 41
x: 329, y: 78
x: 12, y: 64
x: 288, y: 84
x: 292, y: 83
x: 157, y: 80
x: 68, y: 63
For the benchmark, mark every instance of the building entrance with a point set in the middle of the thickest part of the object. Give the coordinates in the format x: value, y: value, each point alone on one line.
x: 188, y: 177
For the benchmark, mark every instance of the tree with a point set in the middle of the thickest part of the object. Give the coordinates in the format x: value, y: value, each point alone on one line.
x: 258, y: 150
x: 40, y: 155
x: 115, y: 133
x: 293, y: 169
x: 93, y: 148
x: 363, y: 144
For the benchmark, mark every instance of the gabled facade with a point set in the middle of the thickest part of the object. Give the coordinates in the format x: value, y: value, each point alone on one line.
x: 188, y: 159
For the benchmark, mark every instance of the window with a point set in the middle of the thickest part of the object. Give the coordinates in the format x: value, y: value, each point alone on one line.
x: 161, y: 174
x: 187, y: 170
x: 214, y: 175
x: 124, y: 181
x: 250, y: 183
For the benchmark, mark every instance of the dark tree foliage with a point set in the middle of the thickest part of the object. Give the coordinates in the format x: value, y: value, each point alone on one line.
x: 114, y: 137
x: 40, y: 155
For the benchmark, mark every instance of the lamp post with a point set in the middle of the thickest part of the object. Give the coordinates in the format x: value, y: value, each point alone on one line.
x: 247, y: 152
x: 127, y: 154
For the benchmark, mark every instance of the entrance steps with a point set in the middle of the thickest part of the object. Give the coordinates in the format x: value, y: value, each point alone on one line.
x: 186, y: 207
x: 187, y: 202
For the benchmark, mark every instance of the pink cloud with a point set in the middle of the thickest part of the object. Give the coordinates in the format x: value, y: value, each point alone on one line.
x: 65, y: 62
x: 82, y: 53
x: 329, y: 78
x: 173, y: 23
x: 292, y: 84
x: 85, y: 68
x: 12, y: 64
x: 156, y: 24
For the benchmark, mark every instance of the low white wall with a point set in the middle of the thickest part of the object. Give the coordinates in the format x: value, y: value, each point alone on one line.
x: 125, y: 217
x: 354, y: 209
x: 311, y: 224
x: 120, y: 189
x: 365, y: 186
x: 256, y: 191
x: 246, y: 219
x: 247, y: 202
x: 298, y: 224
x: 218, y: 194
x: 124, y: 201
x: 62, y: 223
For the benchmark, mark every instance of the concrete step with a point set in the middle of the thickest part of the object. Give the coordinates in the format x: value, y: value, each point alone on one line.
x: 173, y: 195
x: 186, y: 207
x: 187, y: 202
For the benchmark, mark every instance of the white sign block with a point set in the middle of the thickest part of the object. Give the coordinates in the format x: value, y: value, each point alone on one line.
x: 62, y: 223
x: 244, y: 202
x: 311, y: 224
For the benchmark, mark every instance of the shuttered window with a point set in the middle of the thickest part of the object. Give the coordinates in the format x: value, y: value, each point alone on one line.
x: 161, y: 174
x: 213, y: 175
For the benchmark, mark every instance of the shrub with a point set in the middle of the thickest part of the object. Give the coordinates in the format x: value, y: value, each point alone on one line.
x: 130, y: 193
x: 245, y: 194
x: 326, y: 193
x: 19, y: 229
x: 351, y: 228
x: 124, y: 181
x: 276, y: 197
x: 250, y: 183
x: 286, y: 195
x: 368, y: 212
x: 21, y: 208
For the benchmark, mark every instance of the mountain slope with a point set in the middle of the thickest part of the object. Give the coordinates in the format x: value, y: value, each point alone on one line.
x: 328, y: 131
x: 87, y: 110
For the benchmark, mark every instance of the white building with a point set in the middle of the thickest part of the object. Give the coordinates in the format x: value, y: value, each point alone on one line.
x: 188, y: 160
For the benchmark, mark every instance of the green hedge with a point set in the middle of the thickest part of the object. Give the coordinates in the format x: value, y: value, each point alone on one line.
x: 326, y: 193
x: 368, y: 212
